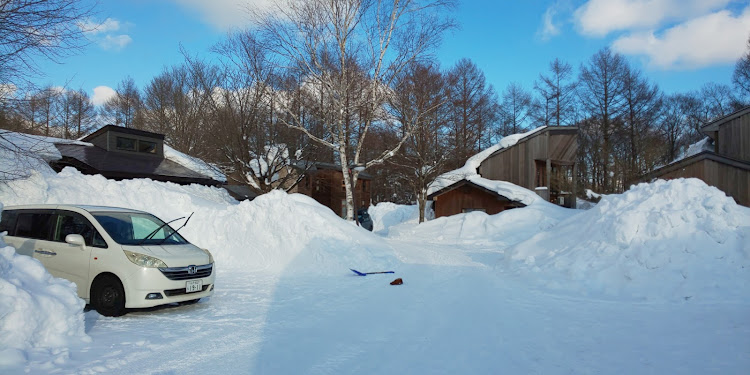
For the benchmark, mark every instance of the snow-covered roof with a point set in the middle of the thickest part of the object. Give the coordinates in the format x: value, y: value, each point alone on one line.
x: 194, y: 164
x: 37, y: 145
x: 705, y: 144
x: 469, y: 169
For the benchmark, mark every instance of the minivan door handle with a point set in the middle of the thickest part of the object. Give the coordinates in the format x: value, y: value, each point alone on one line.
x: 46, y: 253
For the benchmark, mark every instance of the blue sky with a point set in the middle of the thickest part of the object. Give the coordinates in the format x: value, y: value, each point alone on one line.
x: 679, y: 44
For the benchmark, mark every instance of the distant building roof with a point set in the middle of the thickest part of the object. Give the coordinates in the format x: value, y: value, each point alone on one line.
x: 120, y: 129
x: 95, y: 160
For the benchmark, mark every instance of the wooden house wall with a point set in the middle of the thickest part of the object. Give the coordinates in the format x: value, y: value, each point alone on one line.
x: 734, y: 139
x: 467, y: 197
x: 517, y: 163
x: 326, y: 187
x: 735, y: 182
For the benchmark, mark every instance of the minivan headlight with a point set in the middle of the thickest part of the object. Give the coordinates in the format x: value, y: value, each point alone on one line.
x: 145, y: 260
x: 210, y: 257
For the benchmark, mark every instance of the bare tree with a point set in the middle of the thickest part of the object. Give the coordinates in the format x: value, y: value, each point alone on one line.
x: 558, y: 92
x: 122, y: 109
x: 419, y: 102
x: 473, y: 109
x: 515, y: 108
x: 31, y: 30
x: 642, y: 102
x: 741, y: 76
x: 176, y: 104
x: 350, y: 52
x: 47, y: 100
x: 601, y: 95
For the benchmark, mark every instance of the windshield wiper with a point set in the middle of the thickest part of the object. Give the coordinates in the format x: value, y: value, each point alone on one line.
x: 157, y: 229
x: 175, y: 230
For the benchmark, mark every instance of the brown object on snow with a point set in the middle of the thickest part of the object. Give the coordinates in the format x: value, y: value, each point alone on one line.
x: 397, y: 281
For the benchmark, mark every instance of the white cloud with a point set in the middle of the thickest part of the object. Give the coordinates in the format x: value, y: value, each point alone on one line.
x: 600, y: 17
x: 718, y: 37
x: 548, y: 28
x: 225, y: 14
x: 102, y: 94
x: 115, y: 42
x: 7, y: 90
x: 93, y: 28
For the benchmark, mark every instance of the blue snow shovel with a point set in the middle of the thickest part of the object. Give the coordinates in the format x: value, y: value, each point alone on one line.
x: 368, y: 273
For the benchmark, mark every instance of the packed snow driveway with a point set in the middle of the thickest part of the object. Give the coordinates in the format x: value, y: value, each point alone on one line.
x: 444, y: 319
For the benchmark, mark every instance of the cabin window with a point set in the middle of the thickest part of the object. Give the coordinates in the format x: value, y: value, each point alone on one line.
x: 127, y: 144
x: 147, y: 147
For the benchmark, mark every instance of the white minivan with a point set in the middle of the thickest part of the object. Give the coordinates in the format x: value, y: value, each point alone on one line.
x: 118, y: 258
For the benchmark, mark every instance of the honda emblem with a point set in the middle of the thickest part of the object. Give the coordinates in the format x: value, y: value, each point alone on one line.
x: 192, y: 270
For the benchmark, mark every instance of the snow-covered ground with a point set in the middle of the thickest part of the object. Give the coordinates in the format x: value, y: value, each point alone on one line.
x: 652, y: 281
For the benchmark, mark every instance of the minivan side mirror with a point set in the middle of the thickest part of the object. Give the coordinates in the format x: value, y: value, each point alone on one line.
x: 75, y: 239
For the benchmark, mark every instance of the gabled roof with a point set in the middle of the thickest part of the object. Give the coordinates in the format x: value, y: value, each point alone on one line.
x: 715, y: 124
x: 502, y: 189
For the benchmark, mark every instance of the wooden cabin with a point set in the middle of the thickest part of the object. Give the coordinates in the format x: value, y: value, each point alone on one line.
x: 468, y: 196
x: 544, y: 162
x: 726, y: 165
x: 324, y: 182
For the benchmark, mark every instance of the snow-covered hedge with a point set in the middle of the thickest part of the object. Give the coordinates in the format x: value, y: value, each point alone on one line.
x: 37, y: 311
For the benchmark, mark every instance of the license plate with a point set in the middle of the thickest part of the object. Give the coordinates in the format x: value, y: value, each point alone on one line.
x: 193, y: 286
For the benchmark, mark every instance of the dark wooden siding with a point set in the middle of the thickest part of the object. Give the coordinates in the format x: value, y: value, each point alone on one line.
x: 735, y: 182
x: 468, y: 197
x: 734, y: 138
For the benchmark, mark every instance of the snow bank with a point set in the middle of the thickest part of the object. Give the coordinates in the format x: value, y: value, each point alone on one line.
x: 276, y: 232
x: 674, y: 240
x: 470, y: 167
x: 194, y: 164
x: 384, y: 215
x: 502, y: 229
x: 37, y: 311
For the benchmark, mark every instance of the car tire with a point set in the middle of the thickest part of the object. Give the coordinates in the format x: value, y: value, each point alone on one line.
x: 190, y: 302
x: 108, y: 296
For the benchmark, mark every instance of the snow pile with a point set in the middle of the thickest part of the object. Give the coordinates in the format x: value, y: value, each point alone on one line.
x: 384, y: 215
x: 276, y: 232
x: 470, y: 167
x: 22, y: 153
x: 194, y: 164
x: 38, y: 312
x: 678, y: 239
x: 499, y: 230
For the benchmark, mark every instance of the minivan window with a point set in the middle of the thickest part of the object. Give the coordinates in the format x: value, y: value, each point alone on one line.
x: 34, y: 225
x: 73, y: 223
x: 8, y: 221
x: 133, y: 228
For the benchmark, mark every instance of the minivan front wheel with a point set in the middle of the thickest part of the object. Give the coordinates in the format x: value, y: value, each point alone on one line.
x: 108, y: 296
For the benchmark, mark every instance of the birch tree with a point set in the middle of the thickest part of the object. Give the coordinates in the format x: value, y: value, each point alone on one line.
x: 350, y: 52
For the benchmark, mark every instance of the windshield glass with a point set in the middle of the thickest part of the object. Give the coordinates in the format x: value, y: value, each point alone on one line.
x: 132, y: 228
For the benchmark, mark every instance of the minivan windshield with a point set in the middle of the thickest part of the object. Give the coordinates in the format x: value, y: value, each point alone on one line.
x: 133, y: 228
